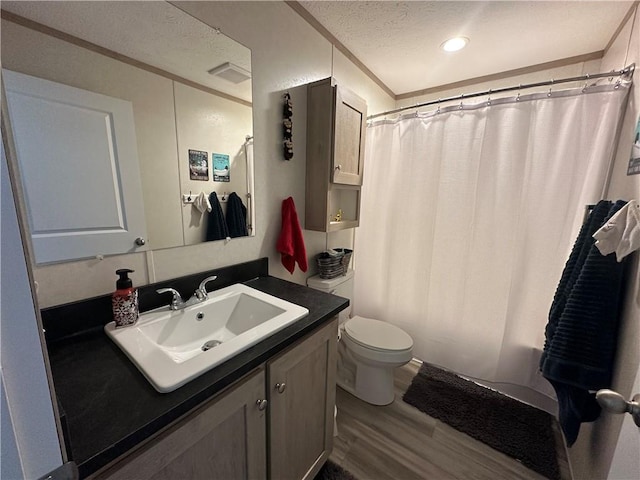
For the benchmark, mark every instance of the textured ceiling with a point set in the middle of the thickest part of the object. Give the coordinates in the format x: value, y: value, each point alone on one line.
x: 156, y: 33
x: 400, y: 41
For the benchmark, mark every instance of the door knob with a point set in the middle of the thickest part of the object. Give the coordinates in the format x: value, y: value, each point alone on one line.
x: 140, y: 241
x: 262, y: 404
x: 613, y: 402
x: 280, y: 387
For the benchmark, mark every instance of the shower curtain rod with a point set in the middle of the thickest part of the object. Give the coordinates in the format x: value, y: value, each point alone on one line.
x: 625, y: 72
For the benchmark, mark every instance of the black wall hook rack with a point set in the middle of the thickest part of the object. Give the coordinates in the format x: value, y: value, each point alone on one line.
x: 287, y: 127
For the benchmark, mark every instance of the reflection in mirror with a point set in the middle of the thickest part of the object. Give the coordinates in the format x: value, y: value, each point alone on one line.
x: 189, y: 86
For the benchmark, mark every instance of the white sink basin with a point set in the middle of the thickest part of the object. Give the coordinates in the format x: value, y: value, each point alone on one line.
x: 173, y: 347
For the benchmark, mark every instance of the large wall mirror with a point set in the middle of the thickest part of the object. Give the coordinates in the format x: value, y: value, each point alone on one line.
x: 189, y: 86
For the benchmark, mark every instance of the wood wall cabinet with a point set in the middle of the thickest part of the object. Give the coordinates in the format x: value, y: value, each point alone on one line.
x: 336, y: 125
x: 293, y: 395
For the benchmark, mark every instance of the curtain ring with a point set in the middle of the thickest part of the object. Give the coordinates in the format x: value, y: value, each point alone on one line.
x: 617, y: 85
x: 438, y: 110
x: 518, y: 97
x: 549, y: 92
x: 488, y: 101
x: 584, y: 89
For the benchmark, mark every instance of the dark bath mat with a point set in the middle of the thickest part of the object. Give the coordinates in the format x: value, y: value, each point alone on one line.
x: 333, y: 471
x: 507, y: 425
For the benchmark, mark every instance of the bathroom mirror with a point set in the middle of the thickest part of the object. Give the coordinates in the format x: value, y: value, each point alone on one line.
x: 189, y: 86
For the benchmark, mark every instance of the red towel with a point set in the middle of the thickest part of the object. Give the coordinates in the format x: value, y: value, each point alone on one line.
x: 291, y: 243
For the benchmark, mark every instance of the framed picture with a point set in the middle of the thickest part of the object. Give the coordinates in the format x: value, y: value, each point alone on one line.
x: 220, y: 167
x: 198, y: 165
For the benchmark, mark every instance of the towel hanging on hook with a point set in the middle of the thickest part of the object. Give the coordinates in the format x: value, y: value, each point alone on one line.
x: 621, y: 233
x: 216, y: 225
x: 201, y: 203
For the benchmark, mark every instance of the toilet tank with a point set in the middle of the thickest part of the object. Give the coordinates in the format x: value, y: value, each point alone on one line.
x: 341, y: 286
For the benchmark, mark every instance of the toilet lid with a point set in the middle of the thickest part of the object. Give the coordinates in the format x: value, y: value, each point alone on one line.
x: 376, y: 334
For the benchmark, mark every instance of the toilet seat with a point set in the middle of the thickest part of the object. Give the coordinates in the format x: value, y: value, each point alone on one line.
x: 377, y: 335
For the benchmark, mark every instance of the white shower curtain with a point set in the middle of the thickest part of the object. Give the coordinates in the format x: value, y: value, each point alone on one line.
x: 468, y: 216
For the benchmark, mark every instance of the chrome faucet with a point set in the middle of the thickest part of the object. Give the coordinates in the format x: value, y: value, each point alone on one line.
x: 201, y: 292
x: 200, y: 295
x: 176, y: 301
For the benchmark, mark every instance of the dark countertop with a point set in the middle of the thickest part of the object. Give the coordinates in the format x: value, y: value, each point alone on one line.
x: 110, y: 407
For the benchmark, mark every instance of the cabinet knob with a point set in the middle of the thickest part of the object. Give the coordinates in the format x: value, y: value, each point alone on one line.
x: 262, y: 404
x: 338, y: 167
x: 140, y: 241
x: 280, y: 387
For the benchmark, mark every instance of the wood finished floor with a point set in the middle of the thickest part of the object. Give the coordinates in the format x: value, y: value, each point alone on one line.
x: 399, y: 442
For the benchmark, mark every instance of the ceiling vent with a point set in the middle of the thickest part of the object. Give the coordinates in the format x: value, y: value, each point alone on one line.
x: 231, y: 72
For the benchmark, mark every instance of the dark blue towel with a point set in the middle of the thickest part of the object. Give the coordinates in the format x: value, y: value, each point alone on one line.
x: 236, y: 216
x: 581, y: 336
x: 216, y: 225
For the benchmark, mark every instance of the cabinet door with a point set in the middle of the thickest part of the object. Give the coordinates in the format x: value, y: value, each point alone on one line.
x: 225, y: 439
x: 302, y: 389
x: 349, y: 134
x: 78, y: 163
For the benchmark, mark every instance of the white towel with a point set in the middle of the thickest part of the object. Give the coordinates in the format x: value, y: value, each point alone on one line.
x: 621, y: 234
x: 202, y: 203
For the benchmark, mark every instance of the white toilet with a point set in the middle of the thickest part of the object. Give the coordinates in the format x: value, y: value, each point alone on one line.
x: 369, y: 350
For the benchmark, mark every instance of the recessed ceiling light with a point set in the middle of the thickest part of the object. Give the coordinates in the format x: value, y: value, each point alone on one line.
x: 454, y: 44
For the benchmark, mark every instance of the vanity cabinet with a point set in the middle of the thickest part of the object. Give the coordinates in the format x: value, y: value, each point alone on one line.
x: 302, y: 390
x: 284, y: 409
x: 225, y: 438
x: 336, y: 125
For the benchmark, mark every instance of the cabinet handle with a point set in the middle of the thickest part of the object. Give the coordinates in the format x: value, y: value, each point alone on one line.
x: 280, y: 387
x: 262, y: 404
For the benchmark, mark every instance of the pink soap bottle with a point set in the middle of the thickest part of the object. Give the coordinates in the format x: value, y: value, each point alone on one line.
x: 124, y: 300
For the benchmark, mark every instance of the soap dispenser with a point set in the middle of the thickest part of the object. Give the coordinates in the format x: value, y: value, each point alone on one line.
x: 124, y: 300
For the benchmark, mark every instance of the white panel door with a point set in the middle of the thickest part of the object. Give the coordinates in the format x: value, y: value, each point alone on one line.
x: 28, y: 438
x: 78, y: 164
x: 626, y: 459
